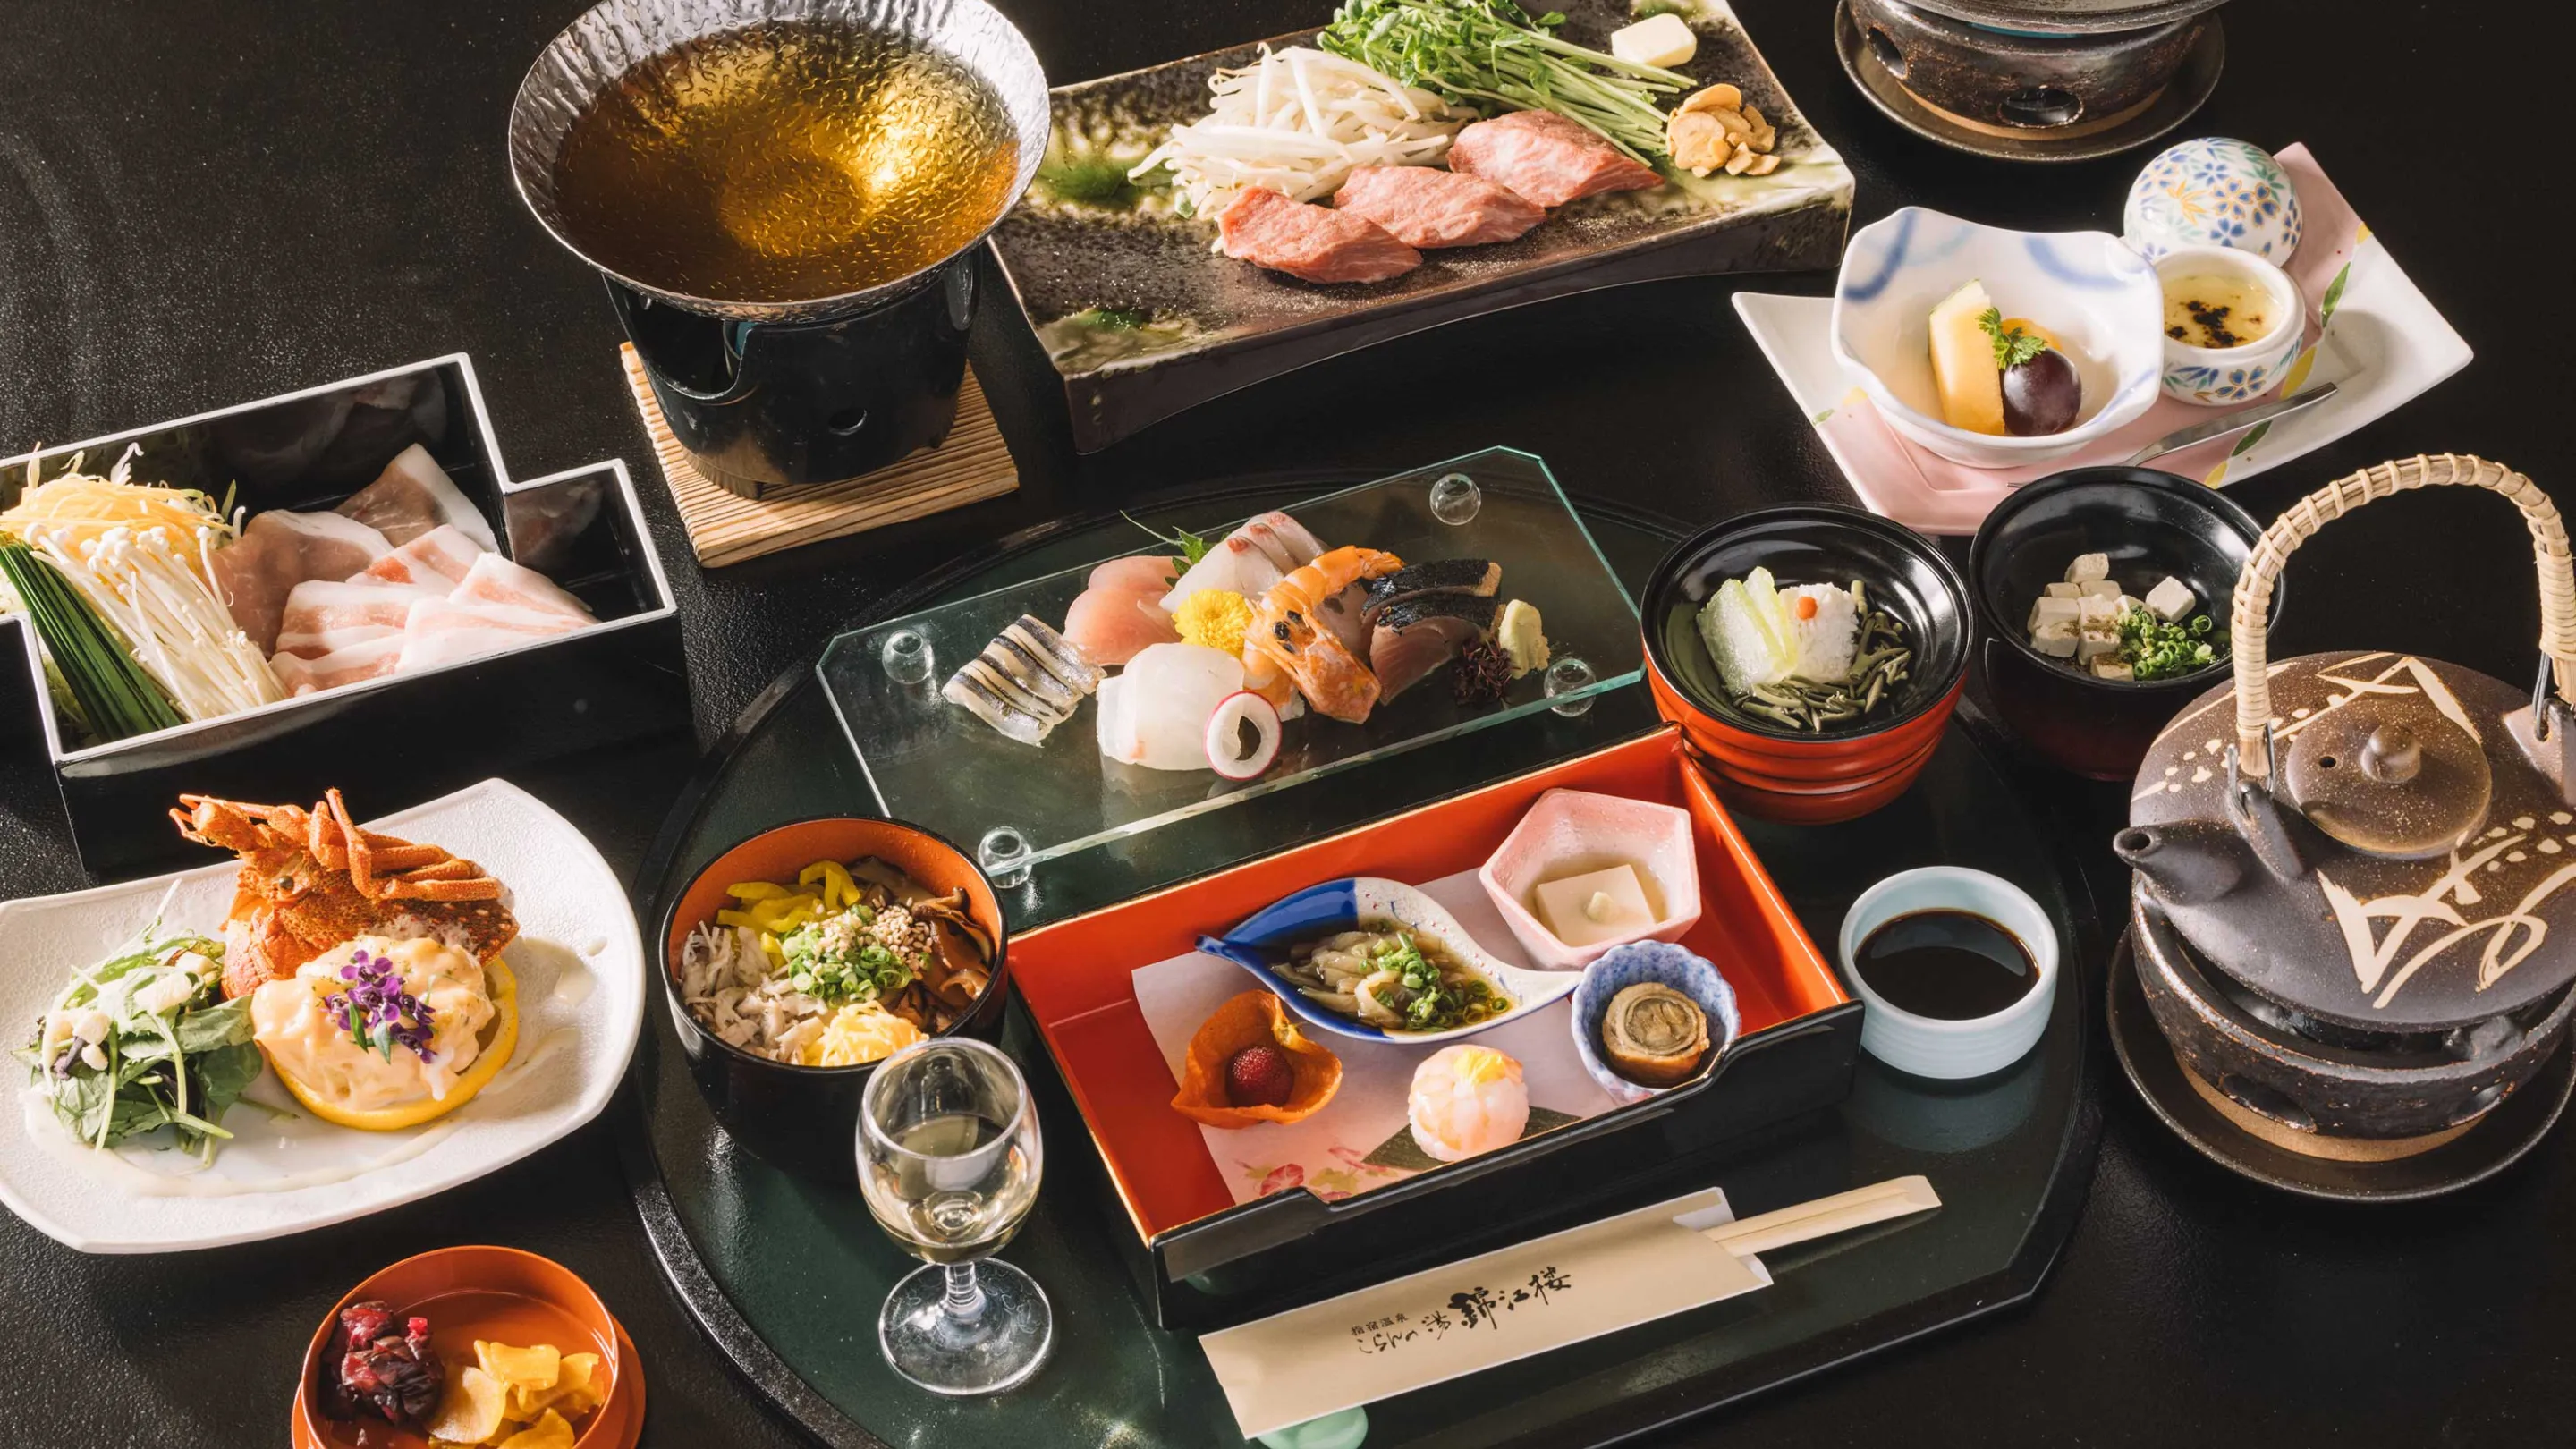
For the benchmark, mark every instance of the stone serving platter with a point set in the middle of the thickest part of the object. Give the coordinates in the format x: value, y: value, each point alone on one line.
x: 1143, y: 320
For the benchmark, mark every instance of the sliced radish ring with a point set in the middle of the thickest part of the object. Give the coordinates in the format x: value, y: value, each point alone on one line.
x: 1225, y: 735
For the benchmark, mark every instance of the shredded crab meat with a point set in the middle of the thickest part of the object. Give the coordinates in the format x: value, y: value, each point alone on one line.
x: 1299, y: 121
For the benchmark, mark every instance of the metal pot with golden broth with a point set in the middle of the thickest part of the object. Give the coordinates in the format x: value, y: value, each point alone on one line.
x: 2355, y: 901
x: 781, y: 196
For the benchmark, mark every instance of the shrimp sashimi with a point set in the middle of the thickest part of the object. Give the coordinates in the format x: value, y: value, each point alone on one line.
x: 1291, y: 641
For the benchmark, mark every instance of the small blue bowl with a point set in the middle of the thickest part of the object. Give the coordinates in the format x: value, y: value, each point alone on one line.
x: 1370, y: 902
x: 1665, y: 964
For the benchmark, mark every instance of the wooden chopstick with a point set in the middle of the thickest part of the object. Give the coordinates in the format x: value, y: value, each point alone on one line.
x: 1825, y: 1216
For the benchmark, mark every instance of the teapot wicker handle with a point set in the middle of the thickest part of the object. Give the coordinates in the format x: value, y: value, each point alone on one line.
x: 2253, y: 604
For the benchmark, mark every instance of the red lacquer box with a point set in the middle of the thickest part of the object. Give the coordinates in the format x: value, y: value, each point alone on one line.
x: 1203, y: 1260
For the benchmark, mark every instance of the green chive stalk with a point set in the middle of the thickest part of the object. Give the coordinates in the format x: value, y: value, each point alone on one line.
x: 116, y: 697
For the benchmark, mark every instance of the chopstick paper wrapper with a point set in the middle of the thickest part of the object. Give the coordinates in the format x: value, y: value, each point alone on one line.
x: 1504, y: 1305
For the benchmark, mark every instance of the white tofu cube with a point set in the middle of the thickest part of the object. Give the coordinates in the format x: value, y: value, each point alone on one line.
x: 2095, y: 610
x: 2100, y: 589
x: 2088, y: 567
x: 1661, y: 40
x: 2056, y: 640
x: 2171, y: 600
x: 2089, y: 647
x: 2064, y: 591
x: 2111, y: 669
x: 2128, y: 604
x: 2044, y: 611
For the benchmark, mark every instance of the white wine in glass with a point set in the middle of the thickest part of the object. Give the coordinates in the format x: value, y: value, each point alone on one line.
x: 949, y: 1162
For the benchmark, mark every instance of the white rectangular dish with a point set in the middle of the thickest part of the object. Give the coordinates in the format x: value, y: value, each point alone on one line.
x: 2371, y: 332
x: 580, y: 968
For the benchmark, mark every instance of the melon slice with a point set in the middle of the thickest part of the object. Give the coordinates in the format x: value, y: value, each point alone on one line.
x: 1963, y: 363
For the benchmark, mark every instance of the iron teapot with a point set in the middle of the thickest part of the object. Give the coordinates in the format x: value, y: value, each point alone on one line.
x: 2354, y: 901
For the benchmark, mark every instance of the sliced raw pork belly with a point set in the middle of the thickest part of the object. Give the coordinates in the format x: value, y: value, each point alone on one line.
x: 323, y: 617
x: 1423, y: 207
x: 1316, y: 243
x: 365, y: 659
x: 449, y: 631
x: 495, y: 580
x: 1418, y: 635
x: 437, y: 559
x: 1546, y: 158
x: 412, y: 496
x: 279, y: 550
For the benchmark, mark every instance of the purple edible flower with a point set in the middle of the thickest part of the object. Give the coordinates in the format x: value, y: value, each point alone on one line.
x: 378, y: 1012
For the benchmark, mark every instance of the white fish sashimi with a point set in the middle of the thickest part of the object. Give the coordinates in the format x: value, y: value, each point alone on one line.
x: 1249, y: 560
x: 1156, y: 714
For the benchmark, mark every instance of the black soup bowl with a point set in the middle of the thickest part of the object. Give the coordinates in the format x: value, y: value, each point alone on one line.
x: 804, y: 1119
x: 2152, y: 524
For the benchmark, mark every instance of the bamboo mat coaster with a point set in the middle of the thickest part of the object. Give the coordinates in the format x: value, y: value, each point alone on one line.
x: 724, y: 528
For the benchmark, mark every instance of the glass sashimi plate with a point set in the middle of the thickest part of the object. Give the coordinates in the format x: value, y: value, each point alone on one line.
x: 936, y: 765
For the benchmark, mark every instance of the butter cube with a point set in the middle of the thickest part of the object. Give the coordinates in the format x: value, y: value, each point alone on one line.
x: 2064, y: 591
x: 2047, y: 611
x: 2056, y: 640
x: 2170, y: 600
x: 2111, y: 669
x: 2088, y: 567
x: 1658, y: 40
x: 1595, y: 906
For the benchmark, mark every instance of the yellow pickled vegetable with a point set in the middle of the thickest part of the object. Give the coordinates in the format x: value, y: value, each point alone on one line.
x: 756, y: 890
x: 839, y: 891
x: 1214, y: 618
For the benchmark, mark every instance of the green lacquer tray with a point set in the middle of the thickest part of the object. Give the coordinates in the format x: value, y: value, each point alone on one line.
x: 787, y: 1276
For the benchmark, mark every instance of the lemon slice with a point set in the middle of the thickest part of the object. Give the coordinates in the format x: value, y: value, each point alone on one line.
x: 505, y: 1039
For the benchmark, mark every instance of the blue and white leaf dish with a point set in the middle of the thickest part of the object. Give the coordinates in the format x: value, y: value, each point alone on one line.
x: 2213, y: 192
x: 2087, y: 287
x: 1664, y: 964
x: 1368, y: 902
x: 2216, y: 377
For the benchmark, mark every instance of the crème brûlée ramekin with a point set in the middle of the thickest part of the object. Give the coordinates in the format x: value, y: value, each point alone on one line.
x: 2227, y: 376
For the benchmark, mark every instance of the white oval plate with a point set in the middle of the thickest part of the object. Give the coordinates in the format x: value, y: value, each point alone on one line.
x: 580, y: 967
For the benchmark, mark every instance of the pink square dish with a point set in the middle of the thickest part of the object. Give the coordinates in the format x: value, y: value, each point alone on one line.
x: 1567, y: 832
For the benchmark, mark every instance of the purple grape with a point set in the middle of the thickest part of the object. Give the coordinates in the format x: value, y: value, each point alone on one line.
x: 2041, y: 395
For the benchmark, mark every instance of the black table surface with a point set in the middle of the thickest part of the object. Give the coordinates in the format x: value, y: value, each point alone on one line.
x: 205, y: 204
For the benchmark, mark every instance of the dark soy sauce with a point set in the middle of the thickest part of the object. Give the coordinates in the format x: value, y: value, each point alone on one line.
x: 1948, y: 965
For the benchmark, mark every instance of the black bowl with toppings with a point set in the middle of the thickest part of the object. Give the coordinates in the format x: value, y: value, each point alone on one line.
x: 805, y: 1119
x: 2152, y: 525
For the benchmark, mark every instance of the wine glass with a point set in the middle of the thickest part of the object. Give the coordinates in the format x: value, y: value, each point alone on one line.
x: 949, y: 1163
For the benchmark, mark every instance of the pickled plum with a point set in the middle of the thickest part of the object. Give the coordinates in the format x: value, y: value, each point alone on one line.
x: 2041, y: 395
x: 381, y: 1365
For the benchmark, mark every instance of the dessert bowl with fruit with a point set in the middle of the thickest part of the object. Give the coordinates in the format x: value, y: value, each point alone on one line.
x: 1993, y: 347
